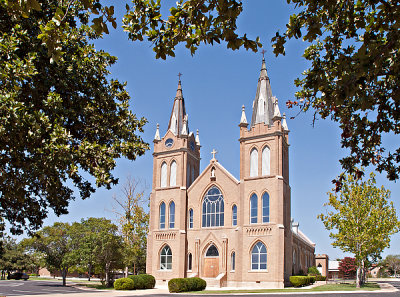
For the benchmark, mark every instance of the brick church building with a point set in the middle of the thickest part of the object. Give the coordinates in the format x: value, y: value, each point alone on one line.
x: 231, y: 232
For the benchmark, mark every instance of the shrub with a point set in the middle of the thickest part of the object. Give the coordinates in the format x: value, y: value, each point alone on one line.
x: 149, y: 281
x: 177, y: 285
x: 299, y: 280
x: 320, y: 278
x: 313, y: 270
x: 138, y: 282
x: 312, y: 278
x: 124, y: 284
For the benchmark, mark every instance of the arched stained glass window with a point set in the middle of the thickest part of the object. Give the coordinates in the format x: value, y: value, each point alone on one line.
x: 266, y: 161
x: 172, y: 215
x: 213, y: 208
x: 253, y: 208
x: 162, y: 215
x: 259, y: 257
x: 190, y: 218
x: 163, y: 175
x: 265, y: 208
x: 253, y: 162
x: 233, y: 256
x: 172, y: 178
x: 166, y: 258
x: 212, y: 251
x: 234, y: 215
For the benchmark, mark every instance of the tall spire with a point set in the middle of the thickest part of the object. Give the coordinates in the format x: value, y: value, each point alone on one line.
x: 263, y: 105
x: 178, y: 114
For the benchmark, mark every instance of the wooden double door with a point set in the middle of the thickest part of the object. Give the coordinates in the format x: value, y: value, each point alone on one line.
x: 211, y: 266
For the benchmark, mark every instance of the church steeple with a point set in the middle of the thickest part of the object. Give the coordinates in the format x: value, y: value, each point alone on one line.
x: 178, y: 115
x: 263, y: 105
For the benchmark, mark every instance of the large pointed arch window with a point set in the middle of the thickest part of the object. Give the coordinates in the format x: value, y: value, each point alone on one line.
x: 213, y: 208
x: 172, y: 215
x: 265, y: 208
x: 166, y: 258
x: 266, y: 161
x: 172, y: 177
x: 253, y: 162
x: 163, y: 175
x: 259, y: 257
x: 253, y: 208
x: 162, y: 215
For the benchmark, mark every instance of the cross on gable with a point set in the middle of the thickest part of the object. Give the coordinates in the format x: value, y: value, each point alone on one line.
x: 213, y: 153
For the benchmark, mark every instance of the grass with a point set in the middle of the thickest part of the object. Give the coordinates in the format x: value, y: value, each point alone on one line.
x: 327, y: 287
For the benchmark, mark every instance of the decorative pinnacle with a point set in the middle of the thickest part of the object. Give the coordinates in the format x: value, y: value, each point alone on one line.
x: 263, y: 52
x: 243, y: 119
x: 157, y: 135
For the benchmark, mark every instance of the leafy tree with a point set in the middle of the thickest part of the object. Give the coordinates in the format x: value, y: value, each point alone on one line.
x: 353, y: 78
x: 13, y: 258
x: 348, y: 267
x: 313, y: 271
x: 392, y: 262
x: 362, y: 220
x: 134, y: 225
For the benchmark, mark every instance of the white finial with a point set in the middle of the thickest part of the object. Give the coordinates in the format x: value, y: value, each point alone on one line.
x: 197, y: 137
x: 157, y: 136
x: 284, y: 123
x: 243, y: 119
x: 185, y: 126
x: 213, y: 153
x: 277, y: 112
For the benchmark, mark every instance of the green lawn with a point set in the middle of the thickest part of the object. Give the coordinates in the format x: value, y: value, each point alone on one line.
x: 327, y: 287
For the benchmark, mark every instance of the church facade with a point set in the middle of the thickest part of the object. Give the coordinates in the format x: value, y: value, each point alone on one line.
x: 231, y: 232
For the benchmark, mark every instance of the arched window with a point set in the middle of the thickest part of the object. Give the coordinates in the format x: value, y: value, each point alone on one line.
x: 266, y: 161
x: 294, y: 257
x: 213, y: 208
x: 259, y: 257
x: 188, y: 175
x: 253, y: 162
x: 162, y: 215
x: 166, y: 258
x: 172, y: 178
x: 233, y: 256
x: 189, y: 265
x: 265, y: 208
x: 172, y: 215
x: 253, y: 209
x: 190, y: 218
x: 163, y: 175
x: 234, y: 215
x: 193, y: 178
x: 212, y: 251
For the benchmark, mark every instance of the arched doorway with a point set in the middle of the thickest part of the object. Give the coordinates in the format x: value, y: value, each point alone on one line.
x: 211, y: 262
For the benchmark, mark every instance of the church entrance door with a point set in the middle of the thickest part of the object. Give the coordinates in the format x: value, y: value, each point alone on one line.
x: 211, y: 262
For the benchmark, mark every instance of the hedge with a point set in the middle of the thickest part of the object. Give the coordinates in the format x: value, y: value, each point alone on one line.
x: 299, y: 280
x: 124, y: 284
x: 320, y: 278
x: 177, y: 285
x: 143, y: 281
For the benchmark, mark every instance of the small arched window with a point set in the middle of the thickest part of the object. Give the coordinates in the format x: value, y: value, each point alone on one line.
x: 172, y: 215
x: 259, y: 257
x: 294, y: 257
x: 190, y: 218
x: 193, y: 178
x: 266, y: 161
x: 233, y: 256
x: 213, y: 208
x: 212, y: 251
x: 188, y: 179
x: 189, y: 265
x: 253, y: 162
x: 234, y: 215
x: 162, y: 215
x: 253, y: 209
x: 166, y: 258
x: 163, y: 175
x: 265, y: 208
x: 172, y: 178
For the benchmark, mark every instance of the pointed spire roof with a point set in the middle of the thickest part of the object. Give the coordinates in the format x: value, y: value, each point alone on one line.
x: 178, y: 113
x: 263, y: 105
x: 243, y: 119
x: 157, y: 135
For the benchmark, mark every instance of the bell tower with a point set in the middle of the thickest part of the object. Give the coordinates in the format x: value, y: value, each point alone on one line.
x: 264, y: 170
x: 176, y: 164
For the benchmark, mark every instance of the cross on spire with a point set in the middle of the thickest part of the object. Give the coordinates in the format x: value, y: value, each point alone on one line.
x: 180, y: 74
x: 213, y: 153
x: 263, y: 52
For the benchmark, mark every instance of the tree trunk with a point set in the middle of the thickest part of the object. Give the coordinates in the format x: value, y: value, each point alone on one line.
x: 358, y: 277
x: 126, y: 271
x: 134, y: 268
x: 90, y: 271
x: 64, y: 276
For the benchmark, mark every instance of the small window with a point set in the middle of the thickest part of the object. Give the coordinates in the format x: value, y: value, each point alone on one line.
x: 166, y: 258
x: 254, y: 163
x: 190, y: 218
x: 193, y: 178
x: 189, y: 262
x: 234, y: 215
x: 172, y: 215
x: 163, y: 175
x: 172, y: 178
x: 162, y: 216
x: 212, y: 251
x: 253, y: 208
x: 265, y: 208
x: 266, y: 161
x: 259, y: 257
x: 233, y: 256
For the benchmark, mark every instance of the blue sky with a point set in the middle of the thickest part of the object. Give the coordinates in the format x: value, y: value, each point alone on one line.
x: 216, y: 83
